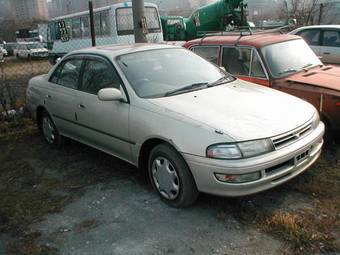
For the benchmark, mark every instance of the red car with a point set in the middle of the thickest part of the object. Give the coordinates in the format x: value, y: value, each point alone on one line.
x: 280, y: 61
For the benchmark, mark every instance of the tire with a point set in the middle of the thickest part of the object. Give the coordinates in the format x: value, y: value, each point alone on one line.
x: 179, y: 185
x: 50, y: 132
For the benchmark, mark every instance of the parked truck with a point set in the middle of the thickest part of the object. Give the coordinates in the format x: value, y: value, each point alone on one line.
x: 214, y: 17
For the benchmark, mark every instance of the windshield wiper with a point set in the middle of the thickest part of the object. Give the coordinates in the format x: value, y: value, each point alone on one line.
x: 220, y: 81
x: 308, y: 66
x: 290, y: 70
x: 190, y: 87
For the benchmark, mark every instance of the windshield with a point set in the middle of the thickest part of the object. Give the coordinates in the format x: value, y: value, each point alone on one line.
x: 158, y: 73
x: 289, y: 57
x: 34, y: 46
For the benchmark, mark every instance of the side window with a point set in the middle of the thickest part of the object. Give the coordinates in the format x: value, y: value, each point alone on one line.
x: 69, y: 73
x: 55, y: 76
x: 76, y: 28
x: 210, y: 53
x: 97, y: 24
x: 85, y: 26
x: 124, y: 20
x: 331, y: 38
x: 105, y: 22
x: 99, y: 75
x: 312, y: 36
x: 236, y: 60
x: 256, y: 67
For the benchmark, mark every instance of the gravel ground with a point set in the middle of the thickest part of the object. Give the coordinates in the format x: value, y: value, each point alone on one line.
x: 111, y: 209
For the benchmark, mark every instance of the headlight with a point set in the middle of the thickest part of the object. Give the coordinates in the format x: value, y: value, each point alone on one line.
x: 240, y: 150
x: 316, y: 120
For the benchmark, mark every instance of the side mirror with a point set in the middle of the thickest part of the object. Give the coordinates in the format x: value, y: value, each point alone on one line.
x: 292, y: 23
x: 110, y: 94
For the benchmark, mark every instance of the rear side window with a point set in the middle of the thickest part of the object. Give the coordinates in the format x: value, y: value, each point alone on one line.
x: 331, y: 38
x: 67, y: 73
x: 210, y: 53
x: 312, y: 36
x: 98, y: 75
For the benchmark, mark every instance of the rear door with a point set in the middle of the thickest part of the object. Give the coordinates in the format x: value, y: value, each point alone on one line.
x: 331, y: 46
x: 104, y: 125
x: 61, y: 97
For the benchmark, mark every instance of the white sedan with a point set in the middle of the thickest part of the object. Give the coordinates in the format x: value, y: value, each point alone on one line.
x: 324, y: 41
x: 192, y: 126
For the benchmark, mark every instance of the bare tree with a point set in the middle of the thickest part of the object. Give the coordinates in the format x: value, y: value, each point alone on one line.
x: 305, y: 12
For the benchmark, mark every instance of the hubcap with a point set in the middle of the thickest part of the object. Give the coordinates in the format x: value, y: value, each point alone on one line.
x: 48, y: 130
x: 165, y: 178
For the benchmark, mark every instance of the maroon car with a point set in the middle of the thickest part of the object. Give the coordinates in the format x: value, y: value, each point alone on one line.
x: 283, y: 62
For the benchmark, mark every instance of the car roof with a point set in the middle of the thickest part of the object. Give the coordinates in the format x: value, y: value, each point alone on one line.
x: 319, y: 26
x: 115, y: 50
x: 256, y: 40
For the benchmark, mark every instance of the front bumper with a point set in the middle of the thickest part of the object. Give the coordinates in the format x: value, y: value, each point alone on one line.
x: 276, y: 167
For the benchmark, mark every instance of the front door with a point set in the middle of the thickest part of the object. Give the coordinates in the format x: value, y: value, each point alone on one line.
x: 313, y: 39
x: 244, y: 63
x: 103, y: 124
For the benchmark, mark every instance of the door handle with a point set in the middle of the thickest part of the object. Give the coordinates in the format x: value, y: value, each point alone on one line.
x: 327, y: 53
x: 81, y: 106
x: 48, y: 96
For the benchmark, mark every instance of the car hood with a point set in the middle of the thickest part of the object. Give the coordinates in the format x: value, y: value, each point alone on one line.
x: 241, y: 110
x: 327, y: 78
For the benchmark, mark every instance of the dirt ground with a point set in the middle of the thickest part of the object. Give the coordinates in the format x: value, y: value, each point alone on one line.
x: 81, y: 201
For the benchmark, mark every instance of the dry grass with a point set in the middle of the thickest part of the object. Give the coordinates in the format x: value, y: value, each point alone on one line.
x: 316, y: 229
x: 21, y: 68
x: 28, y: 245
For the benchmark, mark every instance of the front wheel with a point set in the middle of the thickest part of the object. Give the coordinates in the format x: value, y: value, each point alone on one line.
x: 171, y: 177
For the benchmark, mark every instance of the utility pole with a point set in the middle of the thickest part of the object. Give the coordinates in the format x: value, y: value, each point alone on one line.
x: 139, y: 21
x: 320, y: 13
x: 93, y: 34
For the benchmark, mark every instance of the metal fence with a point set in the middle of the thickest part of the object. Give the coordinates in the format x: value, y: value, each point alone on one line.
x: 33, y: 49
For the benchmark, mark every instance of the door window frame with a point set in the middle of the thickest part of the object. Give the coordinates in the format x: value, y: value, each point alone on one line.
x: 100, y: 60
x: 322, y: 36
x: 320, y: 41
x: 61, y: 65
x: 253, y: 49
x: 110, y: 64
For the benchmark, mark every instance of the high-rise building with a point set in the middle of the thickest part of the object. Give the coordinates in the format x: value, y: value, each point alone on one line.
x: 29, y: 9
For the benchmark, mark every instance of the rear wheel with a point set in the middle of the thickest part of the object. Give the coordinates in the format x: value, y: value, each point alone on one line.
x: 171, y: 177
x: 50, y: 131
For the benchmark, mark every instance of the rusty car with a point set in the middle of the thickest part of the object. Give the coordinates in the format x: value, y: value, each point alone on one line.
x: 280, y: 61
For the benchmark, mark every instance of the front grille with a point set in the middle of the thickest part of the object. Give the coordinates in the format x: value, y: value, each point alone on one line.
x: 288, y: 138
x: 280, y: 167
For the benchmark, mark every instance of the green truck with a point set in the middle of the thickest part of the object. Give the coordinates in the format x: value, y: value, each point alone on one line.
x: 213, y: 17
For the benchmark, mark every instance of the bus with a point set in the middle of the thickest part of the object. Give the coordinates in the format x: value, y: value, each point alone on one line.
x: 113, y: 25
